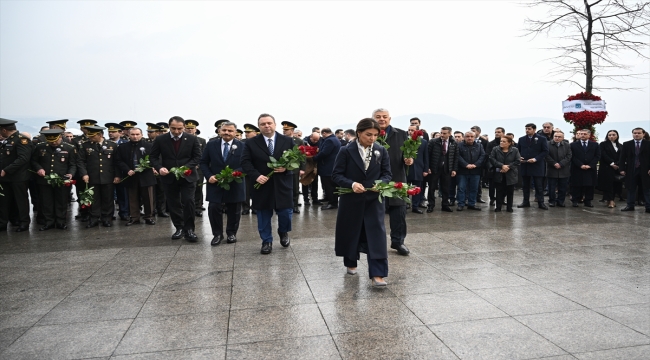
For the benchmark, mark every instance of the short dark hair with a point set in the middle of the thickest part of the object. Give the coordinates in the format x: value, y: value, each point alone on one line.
x: 265, y: 115
x: 338, y: 131
x: 349, y: 132
x: 502, y: 130
x: 477, y: 128
x: 315, y: 129
x: 445, y: 128
x: 459, y: 132
x: 531, y: 125
x: 174, y: 118
x: 638, y: 128
x: 326, y: 130
x: 417, y: 127
x: 416, y: 118
x: 365, y: 124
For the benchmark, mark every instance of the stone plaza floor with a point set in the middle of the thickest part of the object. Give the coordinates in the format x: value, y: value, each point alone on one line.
x: 560, y: 284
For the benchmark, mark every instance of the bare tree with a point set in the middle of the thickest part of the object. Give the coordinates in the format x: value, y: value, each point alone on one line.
x: 592, y: 35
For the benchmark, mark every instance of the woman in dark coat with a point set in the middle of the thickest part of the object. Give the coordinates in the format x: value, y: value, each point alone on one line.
x: 360, y: 218
x: 609, y: 154
x: 505, y: 161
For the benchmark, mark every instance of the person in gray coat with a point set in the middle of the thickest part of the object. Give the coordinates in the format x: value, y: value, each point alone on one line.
x: 558, y: 168
x: 505, y: 161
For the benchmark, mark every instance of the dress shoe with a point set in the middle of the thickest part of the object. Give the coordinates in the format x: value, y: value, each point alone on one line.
x: 124, y: 218
x: 107, y: 224
x: 191, y: 236
x: 231, y: 239
x: 401, y: 249
x: 523, y: 205
x: 61, y: 226
x: 323, y: 200
x: 551, y: 204
x: 198, y: 214
x: 452, y: 203
x: 473, y: 208
x: 307, y: 202
x: 447, y: 209
x: 378, y: 283
x: 492, y: 202
x: 245, y: 212
x: 479, y: 200
x: 497, y: 209
x: 296, y: 210
x: 588, y: 204
x: 317, y: 203
x: 459, y: 208
x: 92, y: 224
x: 150, y: 221
x: 178, y: 234
x: 509, y: 210
x: 422, y: 206
x: 163, y: 214
x: 216, y: 240
x: 267, y: 247
x: 542, y: 206
x: 575, y: 204
x: 328, y: 207
x: 640, y: 203
x: 351, y: 271
x: 284, y: 239
x: 628, y: 208
x: 46, y: 227
x: 561, y: 204
x: 429, y: 208
x: 131, y: 222
x: 417, y: 211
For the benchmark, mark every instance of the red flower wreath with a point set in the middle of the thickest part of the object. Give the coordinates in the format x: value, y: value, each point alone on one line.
x: 585, y: 119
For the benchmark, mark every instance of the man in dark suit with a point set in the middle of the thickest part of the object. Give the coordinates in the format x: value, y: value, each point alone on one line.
x: 275, y: 192
x: 418, y: 171
x: 533, y: 149
x: 191, y: 128
x: 584, y: 160
x: 97, y: 169
x: 176, y: 150
x: 489, y: 174
x: 395, y: 208
x: 121, y: 193
x: 484, y: 143
x: 634, y: 163
x: 139, y: 185
x: 443, y: 163
x: 226, y: 151
x: 329, y: 148
x: 341, y: 136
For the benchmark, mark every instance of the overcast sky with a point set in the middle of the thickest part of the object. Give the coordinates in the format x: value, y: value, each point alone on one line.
x: 313, y: 63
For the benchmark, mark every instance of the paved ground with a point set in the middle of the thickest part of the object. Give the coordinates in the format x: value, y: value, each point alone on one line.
x: 558, y: 284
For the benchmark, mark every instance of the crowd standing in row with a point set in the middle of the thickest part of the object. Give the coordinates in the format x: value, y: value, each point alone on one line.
x: 167, y: 171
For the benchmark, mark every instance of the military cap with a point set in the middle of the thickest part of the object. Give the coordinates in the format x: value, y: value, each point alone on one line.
x: 240, y: 132
x: 153, y: 127
x: 114, y: 127
x: 86, y: 122
x: 52, y: 134
x: 60, y: 123
x: 163, y: 125
x: 286, y: 125
x: 198, y: 132
x: 219, y: 122
x: 251, y: 128
x: 5, y: 122
x: 94, y: 130
x: 128, y: 124
x: 191, y: 124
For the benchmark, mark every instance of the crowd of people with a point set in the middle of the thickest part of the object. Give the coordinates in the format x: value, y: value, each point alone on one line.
x: 164, y: 175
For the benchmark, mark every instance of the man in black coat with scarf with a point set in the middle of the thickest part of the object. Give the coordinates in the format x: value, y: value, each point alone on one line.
x: 175, y: 150
x: 634, y: 163
x: 275, y: 192
x: 395, y: 208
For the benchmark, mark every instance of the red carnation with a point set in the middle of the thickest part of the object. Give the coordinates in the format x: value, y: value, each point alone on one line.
x: 73, y: 182
x: 187, y: 172
x: 411, y: 192
x: 67, y: 183
x: 382, y: 133
x: 399, y: 185
x: 236, y: 173
x: 83, y: 206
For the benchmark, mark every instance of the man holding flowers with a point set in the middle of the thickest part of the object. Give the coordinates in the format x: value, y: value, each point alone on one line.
x: 221, y: 162
x: 420, y: 168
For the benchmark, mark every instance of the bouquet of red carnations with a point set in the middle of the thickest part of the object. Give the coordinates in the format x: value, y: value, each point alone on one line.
x: 182, y: 171
x: 86, y: 197
x: 55, y: 180
x: 228, y: 175
x: 289, y: 160
x: 308, y: 150
x: 411, y: 146
x: 392, y: 189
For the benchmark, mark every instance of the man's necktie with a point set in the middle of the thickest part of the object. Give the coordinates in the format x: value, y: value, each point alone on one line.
x: 584, y: 146
x: 637, y: 151
x: 225, y: 152
x: 271, y: 146
x: 444, y: 148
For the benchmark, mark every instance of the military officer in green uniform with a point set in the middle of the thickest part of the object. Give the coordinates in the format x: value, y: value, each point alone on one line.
x: 164, y: 127
x: 287, y: 130
x: 54, y: 157
x: 127, y: 125
x: 191, y: 128
x: 239, y: 134
x: 54, y: 124
x: 153, y: 131
x: 121, y: 194
x: 15, y: 153
x: 251, y: 131
x: 77, y: 141
x: 97, y: 169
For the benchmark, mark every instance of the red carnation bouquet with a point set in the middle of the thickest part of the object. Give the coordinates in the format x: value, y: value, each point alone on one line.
x: 86, y: 197
x: 289, y: 160
x: 382, y: 139
x: 392, y: 189
x: 584, y: 119
x: 228, y: 175
x: 55, y: 180
x: 309, y: 151
x: 411, y: 146
x: 180, y: 172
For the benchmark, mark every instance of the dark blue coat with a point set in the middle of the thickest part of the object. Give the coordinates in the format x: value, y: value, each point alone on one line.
x: 212, y: 163
x: 361, y: 211
x: 468, y: 155
x: 579, y: 157
x: 327, y: 151
x: 538, y: 149
x: 420, y: 163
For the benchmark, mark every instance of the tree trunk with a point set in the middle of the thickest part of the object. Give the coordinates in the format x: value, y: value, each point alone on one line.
x: 589, y: 73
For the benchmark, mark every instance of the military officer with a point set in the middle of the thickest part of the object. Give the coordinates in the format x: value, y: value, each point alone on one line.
x: 153, y: 131
x: 15, y: 153
x: 77, y: 141
x: 251, y: 131
x: 97, y: 169
x: 239, y: 134
x: 164, y: 127
x: 217, y: 125
x: 127, y: 125
x: 191, y: 128
x: 121, y: 193
x: 54, y: 157
x: 54, y: 124
x: 287, y: 130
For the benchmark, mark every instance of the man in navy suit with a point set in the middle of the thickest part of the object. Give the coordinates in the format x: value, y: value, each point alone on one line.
x: 634, y: 164
x: 533, y: 149
x: 275, y: 192
x: 584, y: 161
x: 225, y: 151
x: 178, y: 149
x: 419, y: 170
x: 329, y: 148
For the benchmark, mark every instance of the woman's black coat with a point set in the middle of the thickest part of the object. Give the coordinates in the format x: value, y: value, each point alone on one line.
x: 359, y: 212
x: 512, y: 158
x: 606, y: 173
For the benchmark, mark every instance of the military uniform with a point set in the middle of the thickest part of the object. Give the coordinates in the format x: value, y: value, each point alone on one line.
x: 77, y: 141
x: 121, y: 193
x: 286, y: 125
x: 160, y: 199
x: 97, y: 161
x: 246, y: 206
x: 60, y: 159
x: 198, y: 192
x: 15, y: 153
